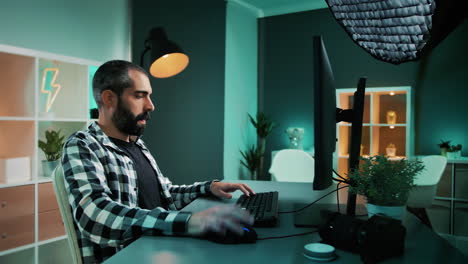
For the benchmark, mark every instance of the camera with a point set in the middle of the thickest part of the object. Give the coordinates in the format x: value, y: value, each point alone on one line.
x: 375, y: 239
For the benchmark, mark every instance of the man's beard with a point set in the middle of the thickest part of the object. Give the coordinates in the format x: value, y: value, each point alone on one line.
x: 127, y: 122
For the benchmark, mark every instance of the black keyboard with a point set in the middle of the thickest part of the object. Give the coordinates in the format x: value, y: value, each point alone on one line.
x: 263, y: 206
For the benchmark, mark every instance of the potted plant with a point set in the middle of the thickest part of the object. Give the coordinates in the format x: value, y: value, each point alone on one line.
x: 263, y: 125
x: 385, y: 183
x: 52, y: 149
x: 444, y: 147
x: 454, y: 151
x: 251, y: 160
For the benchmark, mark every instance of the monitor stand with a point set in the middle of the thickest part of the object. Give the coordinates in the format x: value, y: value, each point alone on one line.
x: 314, y: 215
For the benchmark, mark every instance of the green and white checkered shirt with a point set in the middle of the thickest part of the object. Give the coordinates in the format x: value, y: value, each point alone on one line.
x: 102, y: 184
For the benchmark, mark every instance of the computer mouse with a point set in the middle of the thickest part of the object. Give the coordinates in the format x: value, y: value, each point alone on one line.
x: 230, y: 237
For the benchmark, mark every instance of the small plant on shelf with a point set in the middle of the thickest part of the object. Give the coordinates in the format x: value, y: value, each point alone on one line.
x: 455, y: 148
x: 52, y: 149
x: 444, y: 146
x: 53, y: 145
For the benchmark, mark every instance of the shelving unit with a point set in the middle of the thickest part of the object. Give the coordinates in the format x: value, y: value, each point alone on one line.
x: 449, y: 212
x: 30, y: 221
x: 387, y: 120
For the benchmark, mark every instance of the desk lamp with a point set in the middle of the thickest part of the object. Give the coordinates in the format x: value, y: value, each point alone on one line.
x: 167, y: 58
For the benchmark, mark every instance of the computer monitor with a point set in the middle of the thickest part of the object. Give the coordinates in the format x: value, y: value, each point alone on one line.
x: 326, y: 115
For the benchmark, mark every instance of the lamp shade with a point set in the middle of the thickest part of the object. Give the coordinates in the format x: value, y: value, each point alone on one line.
x: 167, y: 58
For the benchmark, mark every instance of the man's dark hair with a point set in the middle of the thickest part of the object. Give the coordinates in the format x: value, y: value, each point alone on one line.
x: 113, y: 75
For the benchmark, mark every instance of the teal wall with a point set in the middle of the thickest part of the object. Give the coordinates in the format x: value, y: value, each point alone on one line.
x: 186, y: 131
x: 240, y: 87
x: 89, y: 29
x: 439, y: 81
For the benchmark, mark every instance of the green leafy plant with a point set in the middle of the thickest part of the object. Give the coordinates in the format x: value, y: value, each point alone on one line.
x: 251, y: 160
x: 263, y: 125
x: 454, y: 148
x: 53, y: 145
x: 444, y: 144
x: 385, y: 182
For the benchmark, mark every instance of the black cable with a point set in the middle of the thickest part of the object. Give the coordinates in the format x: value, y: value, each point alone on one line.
x: 300, y: 234
x: 338, y: 197
x: 337, y: 174
x: 298, y: 210
x: 340, y: 181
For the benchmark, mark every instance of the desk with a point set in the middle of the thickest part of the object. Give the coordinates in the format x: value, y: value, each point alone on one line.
x: 422, y: 245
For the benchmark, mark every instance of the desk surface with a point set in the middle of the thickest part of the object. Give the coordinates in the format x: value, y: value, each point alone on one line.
x: 422, y: 245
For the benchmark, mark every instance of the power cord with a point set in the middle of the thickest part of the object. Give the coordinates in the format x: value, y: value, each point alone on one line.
x: 277, y: 237
x: 298, y: 210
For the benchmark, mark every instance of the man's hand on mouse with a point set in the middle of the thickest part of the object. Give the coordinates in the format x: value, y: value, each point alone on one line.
x: 223, y: 189
x: 219, y: 219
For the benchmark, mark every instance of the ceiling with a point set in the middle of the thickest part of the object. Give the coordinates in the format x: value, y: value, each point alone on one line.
x: 278, y: 7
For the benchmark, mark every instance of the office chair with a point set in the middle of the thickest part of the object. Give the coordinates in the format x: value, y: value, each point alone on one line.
x: 422, y: 196
x: 65, y: 210
x: 292, y: 165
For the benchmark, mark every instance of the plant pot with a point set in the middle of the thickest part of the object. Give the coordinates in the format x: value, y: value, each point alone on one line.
x: 48, y: 167
x: 443, y: 152
x: 451, y: 155
x: 396, y: 212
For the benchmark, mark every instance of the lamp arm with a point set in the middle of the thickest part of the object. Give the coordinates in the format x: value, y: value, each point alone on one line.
x: 143, y: 55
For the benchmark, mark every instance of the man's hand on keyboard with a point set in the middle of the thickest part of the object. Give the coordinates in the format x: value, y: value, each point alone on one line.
x: 219, y: 219
x: 223, y: 189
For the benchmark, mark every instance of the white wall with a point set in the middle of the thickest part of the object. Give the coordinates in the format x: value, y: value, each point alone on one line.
x: 240, y: 86
x: 92, y: 29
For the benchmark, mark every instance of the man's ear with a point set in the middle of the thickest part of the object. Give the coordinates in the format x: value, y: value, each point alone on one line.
x: 109, y: 99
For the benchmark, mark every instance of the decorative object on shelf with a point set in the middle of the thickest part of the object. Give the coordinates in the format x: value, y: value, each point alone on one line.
x: 391, y: 150
x: 444, y: 147
x: 295, y: 135
x: 51, y: 88
x: 167, y: 58
x: 454, y: 151
x: 52, y: 149
x: 251, y: 160
x: 14, y: 170
x: 391, y: 118
x: 384, y: 182
x: 263, y: 125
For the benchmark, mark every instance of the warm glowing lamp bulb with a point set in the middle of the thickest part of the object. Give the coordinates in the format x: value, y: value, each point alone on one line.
x: 169, y: 65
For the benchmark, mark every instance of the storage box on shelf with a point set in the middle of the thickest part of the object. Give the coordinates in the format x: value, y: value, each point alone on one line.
x: 40, y: 91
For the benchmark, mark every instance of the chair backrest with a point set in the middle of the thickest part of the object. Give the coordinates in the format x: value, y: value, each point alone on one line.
x: 65, y: 210
x: 426, y: 182
x: 292, y: 165
x: 434, y: 168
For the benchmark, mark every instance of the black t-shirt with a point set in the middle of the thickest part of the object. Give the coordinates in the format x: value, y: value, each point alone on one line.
x: 149, y: 188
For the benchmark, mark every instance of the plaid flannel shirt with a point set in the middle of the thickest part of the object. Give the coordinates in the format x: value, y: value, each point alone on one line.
x: 102, y: 184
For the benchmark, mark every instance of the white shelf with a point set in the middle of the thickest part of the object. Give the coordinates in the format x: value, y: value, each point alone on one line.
x: 63, y: 119
x: 51, y: 240
x: 17, y: 249
x: 8, y: 118
x: 28, y: 108
x: 377, y: 134
x: 7, y: 185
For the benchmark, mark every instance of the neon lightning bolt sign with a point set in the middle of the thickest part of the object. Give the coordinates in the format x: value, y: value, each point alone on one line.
x: 54, y: 87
